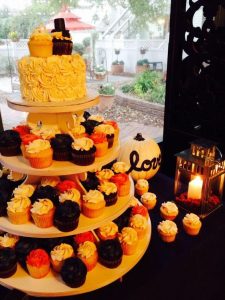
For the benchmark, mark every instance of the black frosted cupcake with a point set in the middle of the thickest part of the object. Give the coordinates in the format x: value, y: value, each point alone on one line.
x: 90, y: 125
x: 123, y: 220
x: 74, y: 272
x: 23, y: 248
x: 62, y: 41
x: 4, y: 198
x: 10, y: 143
x: 61, y: 145
x: 91, y: 182
x: 43, y: 192
x: 110, y: 253
x: 8, y: 262
x: 67, y: 215
x: 50, y: 243
x: 109, y: 191
x: 83, y: 151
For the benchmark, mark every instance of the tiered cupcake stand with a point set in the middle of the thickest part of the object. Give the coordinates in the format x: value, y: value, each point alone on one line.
x: 52, y: 285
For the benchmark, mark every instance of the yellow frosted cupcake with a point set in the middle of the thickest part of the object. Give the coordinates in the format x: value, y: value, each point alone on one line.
x: 139, y: 224
x: 168, y: 210
x: 18, y: 210
x: 42, y: 212
x: 104, y: 175
x: 71, y: 194
x: 40, y: 43
x: 141, y: 187
x: 167, y: 230
x: 59, y: 254
x: 87, y: 252
x: 108, y: 231
x: 129, y: 240
x: 192, y: 224
x: 93, y: 204
x: 148, y: 200
x: 8, y: 240
x: 25, y: 190
x: 120, y: 167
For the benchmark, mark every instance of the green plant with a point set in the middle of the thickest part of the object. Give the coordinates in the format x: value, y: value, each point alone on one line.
x: 13, y: 35
x: 86, y: 42
x: 142, y: 62
x: 127, y: 88
x: 100, y: 70
x: 78, y: 48
x: 107, y: 89
x: 118, y: 62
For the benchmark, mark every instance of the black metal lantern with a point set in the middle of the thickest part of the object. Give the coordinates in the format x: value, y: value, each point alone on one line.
x: 199, y: 179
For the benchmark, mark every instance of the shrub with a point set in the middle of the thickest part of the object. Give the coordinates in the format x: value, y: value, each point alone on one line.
x: 127, y: 88
x: 142, y: 62
x: 86, y: 42
x: 107, y: 89
x: 100, y: 70
x: 118, y: 62
x: 78, y: 48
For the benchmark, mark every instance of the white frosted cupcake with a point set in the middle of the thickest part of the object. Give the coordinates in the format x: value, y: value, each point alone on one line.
x: 87, y: 252
x: 78, y: 131
x: 148, y: 200
x: 59, y: 254
x: 120, y: 167
x: 109, y: 190
x: 93, y: 204
x: 192, y: 224
x: 139, y: 224
x: 42, y: 212
x: 71, y: 194
x: 8, y: 240
x: 108, y: 231
x: 168, y: 210
x: 129, y: 240
x: 18, y: 210
x: 167, y: 230
x: 141, y: 186
x: 104, y: 174
x: 24, y: 190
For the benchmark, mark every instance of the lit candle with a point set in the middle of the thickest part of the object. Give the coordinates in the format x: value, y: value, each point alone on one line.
x: 195, y: 188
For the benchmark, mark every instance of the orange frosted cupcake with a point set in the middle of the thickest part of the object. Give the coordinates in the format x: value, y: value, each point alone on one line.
x: 141, y: 187
x: 40, y: 43
x: 38, y: 263
x: 42, y: 212
x: 100, y: 142
x: 39, y: 153
x: 167, y: 230
x: 168, y: 210
x: 58, y: 255
x: 192, y: 224
x: 87, y: 252
x: 123, y: 184
x: 129, y: 240
x: 108, y: 231
x: 18, y: 210
x: 148, y: 200
x: 93, y: 204
x: 139, y: 224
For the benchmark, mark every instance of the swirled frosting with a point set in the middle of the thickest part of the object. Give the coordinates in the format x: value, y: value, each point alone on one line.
x: 128, y: 236
x: 50, y: 180
x: 24, y: 190
x: 86, y: 249
x: 105, y: 128
x: 169, y: 208
x: 104, y: 174
x: 167, y: 227
x: 138, y: 221
x: 40, y: 34
x: 142, y: 184
x: 93, y: 196
x: 61, y: 252
x: 8, y: 240
x: 59, y: 36
x: 191, y: 220
x: 107, y: 187
x: 148, y: 198
x: 45, y: 132
x: 71, y: 194
x: 56, y: 78
x: 108, y: 230
x: 98, y: 118
x: 120, y: 167
x: 37, y: 146
x: 42, y: 206
x: 83, y: 144
x: 78, y: 130
x: 18, y: 204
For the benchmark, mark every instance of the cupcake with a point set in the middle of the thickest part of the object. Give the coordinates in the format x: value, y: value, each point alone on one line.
x: 139, y: 224
x: 116, y: 128
x: 72, y: 195
x: 4, y: 198
x: 167, y: 230
x: 124, y: 219
x: 38, y: 263
x: 168, y: 210
x: 104, y: 175
x: 192, y: 224
x: 65, y: 185
x: 90, y: 125
x: 46, y: 132
x: 87, y: 252
x: 78, y: 131
x: 122, y: 182
x: 108, y: 130
x: 10, y: 143
x: 129, y: 240
x: 100, y: 142
x: 18, y: 210
x: 84, y: 236
x: 74, y: 272
x: 42, y: 212
x: 141, y: 187
x: 148, y: 200
x: 91, y: 181
x: 46, y: 191
x: 67, y: 216
x: 8, y: 262
x: 62, y: 41
x: 93, y: 204
x: 22, y: 129
x: 26, y: 140
x: 139, y: 209
x: 15, y: 179
x: 61, y: 145
x: 120, y: 167
x: 108, y: 231
x: 23, y: 247
x: 110, y: 253
x: 39, y: 153
x: 109, y: 191
x: 8, y: 240
x: 58, y: 255
x: 83, y: 151
x: 50, y: 180
x: 40, y: 43
x: 25, y: 190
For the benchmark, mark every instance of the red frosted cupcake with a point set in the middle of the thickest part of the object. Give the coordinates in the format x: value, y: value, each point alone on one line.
x: 100, y: 142
x: 22, y: 129
x: 84, y: 236
x: 38, y: 263
x: 122, y: 182
x: 66, y: 185
x: 141, y: 210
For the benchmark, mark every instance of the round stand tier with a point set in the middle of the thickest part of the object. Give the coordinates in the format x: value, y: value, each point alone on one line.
x: 21, y: 165
x: 85, y: 224
x: 53, y: 286
x: 17, y: 103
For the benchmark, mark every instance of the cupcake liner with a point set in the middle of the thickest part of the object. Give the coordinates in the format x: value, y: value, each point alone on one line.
x: 40, y: 162
x: 168, y: 238
x: 110, y: 199
x: 83, y: 159
x: 38, y: 272
x: 61, y: 155
x: 101, y: 149
x: 129, y: 249
x: 9, y: 272
x: 62, y: 47
x: 123, y: 189
x: 192, y: 231
x: 18, y: 218
x: 110, y: 264
x: 91, y: 212
x: 44, y: 221
x: 91, y: 261
x: 140, y: 191
x: 110, y: 139
x: 10, y: 150
x: 65, y: 225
